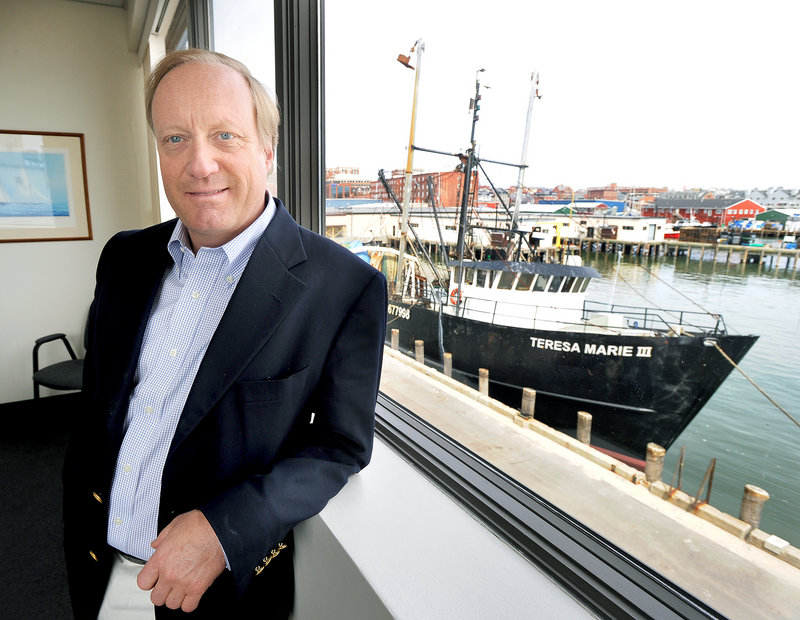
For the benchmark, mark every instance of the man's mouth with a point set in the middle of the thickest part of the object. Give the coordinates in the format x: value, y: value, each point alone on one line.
x: 209, y: 193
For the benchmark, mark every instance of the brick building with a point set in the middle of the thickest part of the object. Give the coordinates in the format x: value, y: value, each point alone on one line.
x: 446, y: 187
x: 715, y: 211
x: 346, y: 182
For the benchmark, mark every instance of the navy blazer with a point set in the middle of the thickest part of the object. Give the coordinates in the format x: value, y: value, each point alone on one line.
x: 280, y: 414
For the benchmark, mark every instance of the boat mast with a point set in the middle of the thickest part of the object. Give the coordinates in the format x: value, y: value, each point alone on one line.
x: 419, y: 46
x: 470, y: 163
x: 521, y: 178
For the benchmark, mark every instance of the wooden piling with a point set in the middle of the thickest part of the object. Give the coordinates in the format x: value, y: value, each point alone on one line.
x: 654, y: 465
x: 584, y: 427
x: 395, y: 339
x: 448, y: 364
x: 753, y: 504
x: 483, y: 381
x: 528, y: 402
x: 419, y: 351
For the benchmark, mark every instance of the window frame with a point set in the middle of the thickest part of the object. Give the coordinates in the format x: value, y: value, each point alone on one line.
x: 609, y: 581
x: 605, y: 578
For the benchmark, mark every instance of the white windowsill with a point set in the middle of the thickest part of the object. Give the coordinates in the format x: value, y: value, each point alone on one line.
x: 393, y: 545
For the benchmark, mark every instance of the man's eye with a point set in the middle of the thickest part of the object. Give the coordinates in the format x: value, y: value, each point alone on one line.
x: 174, y: 139
x: 226, y: 135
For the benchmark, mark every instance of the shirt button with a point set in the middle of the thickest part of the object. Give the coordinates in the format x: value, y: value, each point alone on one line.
x: 196, y: 295
x: 173, y: 352
x: 148, y: 410
x: 127, y: 469
x: 229, y: 279
x: 117, y: 521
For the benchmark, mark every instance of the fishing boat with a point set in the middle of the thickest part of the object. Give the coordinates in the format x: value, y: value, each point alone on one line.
x: 642, y: 373
x: 521, y: 311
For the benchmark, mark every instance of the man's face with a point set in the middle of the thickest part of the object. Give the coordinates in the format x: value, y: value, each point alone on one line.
x: 213, y: 166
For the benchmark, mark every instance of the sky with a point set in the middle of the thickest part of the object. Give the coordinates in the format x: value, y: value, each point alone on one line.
x: 677, y: 94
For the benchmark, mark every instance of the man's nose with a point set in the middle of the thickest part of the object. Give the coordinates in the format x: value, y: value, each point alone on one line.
x: 202, y: 159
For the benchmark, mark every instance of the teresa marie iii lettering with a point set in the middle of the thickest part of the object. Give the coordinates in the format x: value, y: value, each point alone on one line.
x: 399, y: 311
x: 609, y: 350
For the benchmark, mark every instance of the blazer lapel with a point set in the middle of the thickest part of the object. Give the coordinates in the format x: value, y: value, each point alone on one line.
x: 262, y: 299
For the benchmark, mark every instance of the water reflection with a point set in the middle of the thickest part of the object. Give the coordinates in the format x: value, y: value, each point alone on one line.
x: 751, y: 439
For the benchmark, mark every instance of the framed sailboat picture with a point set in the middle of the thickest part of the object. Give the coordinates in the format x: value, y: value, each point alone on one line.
x: 43, y: 189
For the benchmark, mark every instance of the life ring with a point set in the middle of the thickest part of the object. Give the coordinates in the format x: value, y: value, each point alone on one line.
x: 455, y: 296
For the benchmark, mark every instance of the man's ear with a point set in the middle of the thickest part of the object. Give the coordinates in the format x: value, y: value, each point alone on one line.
x: 269, y: 159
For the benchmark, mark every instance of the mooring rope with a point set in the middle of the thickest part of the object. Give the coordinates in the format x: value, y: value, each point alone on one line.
x: 753, y: 383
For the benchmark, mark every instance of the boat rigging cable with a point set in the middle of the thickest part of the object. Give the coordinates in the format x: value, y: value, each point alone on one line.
x: 391, y: 194
x: 715, y: 344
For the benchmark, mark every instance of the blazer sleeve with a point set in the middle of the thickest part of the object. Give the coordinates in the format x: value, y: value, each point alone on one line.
x: 255, y: 515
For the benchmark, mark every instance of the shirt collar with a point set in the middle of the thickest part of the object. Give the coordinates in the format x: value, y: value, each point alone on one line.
x: 178, y: 244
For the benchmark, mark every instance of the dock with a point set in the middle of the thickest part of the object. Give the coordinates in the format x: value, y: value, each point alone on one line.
x: 716, y: 556
x: 773, y: 258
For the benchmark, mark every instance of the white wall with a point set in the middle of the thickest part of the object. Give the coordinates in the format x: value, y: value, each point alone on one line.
x: 393, y: 545
x: 66, y: 67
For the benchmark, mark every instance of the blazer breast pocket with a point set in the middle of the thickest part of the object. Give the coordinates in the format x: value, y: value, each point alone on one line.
x: 272, y: 390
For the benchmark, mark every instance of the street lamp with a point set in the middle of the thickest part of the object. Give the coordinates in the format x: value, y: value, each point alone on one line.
x: 419, y: 47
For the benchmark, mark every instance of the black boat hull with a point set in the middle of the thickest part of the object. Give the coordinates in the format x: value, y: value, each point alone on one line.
x: 639, y: 389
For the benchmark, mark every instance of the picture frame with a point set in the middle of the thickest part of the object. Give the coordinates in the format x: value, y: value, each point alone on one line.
x: 43, y: 190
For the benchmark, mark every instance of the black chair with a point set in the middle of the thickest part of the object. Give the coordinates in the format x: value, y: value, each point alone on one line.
x: 66, y: 375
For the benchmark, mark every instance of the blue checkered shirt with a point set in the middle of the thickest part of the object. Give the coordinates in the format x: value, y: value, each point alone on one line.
x: 188, y: 308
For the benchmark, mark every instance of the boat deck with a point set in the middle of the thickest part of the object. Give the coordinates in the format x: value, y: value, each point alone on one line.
x: 735, y: 577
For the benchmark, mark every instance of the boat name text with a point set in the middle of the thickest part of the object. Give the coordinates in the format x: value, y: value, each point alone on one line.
x: 609, y: 350
x: 399, y: 311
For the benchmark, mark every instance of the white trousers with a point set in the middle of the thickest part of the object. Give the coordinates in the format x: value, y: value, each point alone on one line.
x: 124, y: 600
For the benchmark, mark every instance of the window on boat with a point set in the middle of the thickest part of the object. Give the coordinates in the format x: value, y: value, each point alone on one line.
x: 506, y: 281
x: 482, y: 277
x: 584, y: 285
x: 540, y: 284
x: 469, y: 275
x: 525, y: 281
x: 569, y: 283
x: 555, y: 285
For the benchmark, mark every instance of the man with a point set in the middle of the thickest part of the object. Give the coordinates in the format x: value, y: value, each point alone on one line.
x: 231, y: 373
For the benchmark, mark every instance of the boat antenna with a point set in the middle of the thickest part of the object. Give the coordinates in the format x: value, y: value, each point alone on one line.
x: 468, y: 166
x: 521, y: 177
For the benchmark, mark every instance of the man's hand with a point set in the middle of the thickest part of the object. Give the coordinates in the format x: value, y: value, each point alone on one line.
x: 187, y: 560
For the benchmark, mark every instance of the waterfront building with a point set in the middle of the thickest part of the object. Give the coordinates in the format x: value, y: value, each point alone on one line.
x: 713, y: 211
x: 776, y: 198
x: 742, y: 210
x: 446, y: 187
x: 346, y: 182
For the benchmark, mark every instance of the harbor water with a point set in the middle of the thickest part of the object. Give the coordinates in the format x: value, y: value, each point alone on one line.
x: 752, y: 440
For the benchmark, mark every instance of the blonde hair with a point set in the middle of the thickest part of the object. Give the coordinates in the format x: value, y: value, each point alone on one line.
x: 266, y: 108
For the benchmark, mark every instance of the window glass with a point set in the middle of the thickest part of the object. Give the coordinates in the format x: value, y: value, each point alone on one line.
x: 178, y: 32
x: 469, y: 275
x: 506, y: 281
x: 525, y: 281
x: 493, y: 55
x: 555, y: 284
x: 243, y: 29
x: 481, y: 278
x: 541, y: 283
